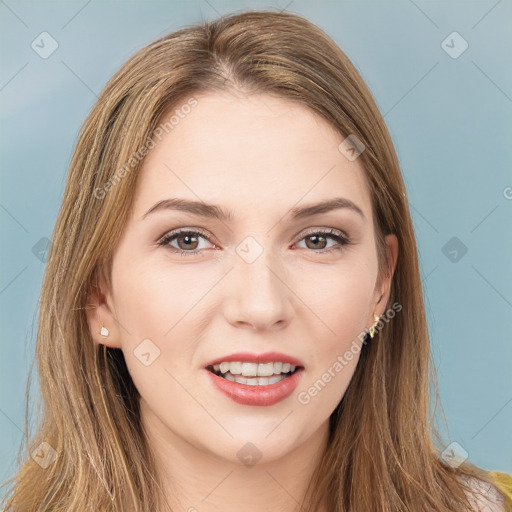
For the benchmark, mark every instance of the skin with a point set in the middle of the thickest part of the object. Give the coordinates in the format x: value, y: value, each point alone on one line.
x: 258, y: 156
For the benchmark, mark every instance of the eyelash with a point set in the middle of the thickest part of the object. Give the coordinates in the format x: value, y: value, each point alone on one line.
x: 331, y: 233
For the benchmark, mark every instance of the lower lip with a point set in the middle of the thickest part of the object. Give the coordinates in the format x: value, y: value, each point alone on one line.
x: 257, y: 395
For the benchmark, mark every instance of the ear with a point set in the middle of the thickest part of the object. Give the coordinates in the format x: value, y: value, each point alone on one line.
x: 384, y: 289
x: 100, y: 314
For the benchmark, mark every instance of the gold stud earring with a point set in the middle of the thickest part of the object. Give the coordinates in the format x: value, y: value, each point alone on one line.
x: 372, y: 328
x: 104, y: 331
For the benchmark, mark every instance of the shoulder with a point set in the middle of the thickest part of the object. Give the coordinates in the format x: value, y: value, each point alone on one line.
x: 485, y: 497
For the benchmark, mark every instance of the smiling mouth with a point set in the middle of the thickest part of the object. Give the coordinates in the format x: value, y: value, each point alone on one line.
x: 253, y: 374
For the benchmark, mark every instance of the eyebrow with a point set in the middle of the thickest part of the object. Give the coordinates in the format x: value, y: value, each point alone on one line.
x: 216, y: 212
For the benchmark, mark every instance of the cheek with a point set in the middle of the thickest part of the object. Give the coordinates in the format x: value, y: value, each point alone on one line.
x: 341, y: 300
x: 155, y: 301
x: 159, y: 310
x: 346, y: 301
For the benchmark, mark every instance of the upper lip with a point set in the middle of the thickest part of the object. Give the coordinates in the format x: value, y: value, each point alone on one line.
x: 248, y: 357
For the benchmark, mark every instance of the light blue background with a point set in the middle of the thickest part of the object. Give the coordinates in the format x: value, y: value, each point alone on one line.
x: 450, y: 120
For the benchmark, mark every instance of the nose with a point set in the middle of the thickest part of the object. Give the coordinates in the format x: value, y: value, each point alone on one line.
x: 258, y: 294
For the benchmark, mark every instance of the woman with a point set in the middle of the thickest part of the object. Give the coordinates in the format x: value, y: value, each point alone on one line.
x: 232, y: 311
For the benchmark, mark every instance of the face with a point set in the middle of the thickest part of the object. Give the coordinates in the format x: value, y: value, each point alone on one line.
x: 268, y: 278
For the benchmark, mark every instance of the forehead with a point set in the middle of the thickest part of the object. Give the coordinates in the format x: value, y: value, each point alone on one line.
x: 244, y: 152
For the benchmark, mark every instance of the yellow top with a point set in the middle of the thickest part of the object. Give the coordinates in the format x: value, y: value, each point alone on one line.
x: 503, y: 482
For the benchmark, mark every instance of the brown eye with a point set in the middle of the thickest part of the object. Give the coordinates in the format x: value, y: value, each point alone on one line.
x: 187, y: 241
x: 317, y: 241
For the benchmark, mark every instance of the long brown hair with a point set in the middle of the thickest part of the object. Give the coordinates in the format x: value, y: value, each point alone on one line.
x: 382, y: 453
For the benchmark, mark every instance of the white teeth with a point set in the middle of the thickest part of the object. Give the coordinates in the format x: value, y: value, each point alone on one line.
x: 249, y: 369
x: 254, y: 381
x: 269, y: 371
x: 265, y: 369
x: 254, y: 369
x: 236, y: 368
